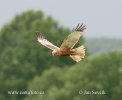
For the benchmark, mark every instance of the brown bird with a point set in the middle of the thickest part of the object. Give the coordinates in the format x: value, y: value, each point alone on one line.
x: 66, y: 48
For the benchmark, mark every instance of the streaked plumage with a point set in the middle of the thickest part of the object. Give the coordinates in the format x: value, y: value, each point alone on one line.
x: 66, y: 48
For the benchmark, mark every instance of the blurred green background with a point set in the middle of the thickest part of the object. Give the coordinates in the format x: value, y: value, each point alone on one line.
x: 25, y: 65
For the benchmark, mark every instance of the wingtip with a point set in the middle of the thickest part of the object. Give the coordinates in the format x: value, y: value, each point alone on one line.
x: 39, y: 35
x: 80, y: 28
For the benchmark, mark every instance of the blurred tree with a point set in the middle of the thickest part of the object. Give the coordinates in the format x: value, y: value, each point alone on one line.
x: 99, y: 73
x: 103, y: 45
x: 21, y: 57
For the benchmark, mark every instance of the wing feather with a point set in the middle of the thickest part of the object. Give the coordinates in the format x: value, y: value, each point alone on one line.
x: 70, y: 41
x: 41, y: 39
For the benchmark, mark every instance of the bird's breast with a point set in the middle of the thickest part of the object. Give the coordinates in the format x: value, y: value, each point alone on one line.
x: 64, y: 53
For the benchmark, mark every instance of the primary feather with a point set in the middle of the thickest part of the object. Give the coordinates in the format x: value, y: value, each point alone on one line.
x: 41, y: 39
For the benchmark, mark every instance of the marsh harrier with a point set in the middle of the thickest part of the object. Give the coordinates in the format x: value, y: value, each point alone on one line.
x: 66, y: 48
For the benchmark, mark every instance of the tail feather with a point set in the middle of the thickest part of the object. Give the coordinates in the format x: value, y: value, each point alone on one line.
x: 78, y: 54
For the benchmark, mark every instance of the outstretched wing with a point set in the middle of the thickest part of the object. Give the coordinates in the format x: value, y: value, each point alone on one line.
x: 41, y: 39
x: 73, y: 38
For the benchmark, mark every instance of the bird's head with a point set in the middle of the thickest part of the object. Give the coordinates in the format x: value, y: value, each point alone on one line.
x: 55, y: 52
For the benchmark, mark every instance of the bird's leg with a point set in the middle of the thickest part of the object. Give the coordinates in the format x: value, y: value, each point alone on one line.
x: 73, y: 52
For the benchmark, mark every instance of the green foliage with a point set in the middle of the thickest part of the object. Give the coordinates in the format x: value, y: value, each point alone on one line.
x: 99, y: 73
x: 21, y: 57
x: 19, y: 36
x: 26, y: 65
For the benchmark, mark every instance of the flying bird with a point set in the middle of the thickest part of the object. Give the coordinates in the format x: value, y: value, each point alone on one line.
x: 66, y: 48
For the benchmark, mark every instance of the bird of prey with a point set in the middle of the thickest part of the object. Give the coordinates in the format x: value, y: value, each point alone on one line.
x: 66, y: 48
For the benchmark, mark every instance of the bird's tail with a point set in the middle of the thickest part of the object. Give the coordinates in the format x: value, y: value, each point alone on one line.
x: 78, y: 53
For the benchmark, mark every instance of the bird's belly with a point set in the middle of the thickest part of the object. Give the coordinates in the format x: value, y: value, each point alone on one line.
x: 64, y: 53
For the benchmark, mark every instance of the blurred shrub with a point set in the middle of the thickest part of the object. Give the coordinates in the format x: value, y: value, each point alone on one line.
x: 99, y: 73
x: 21, y: 57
